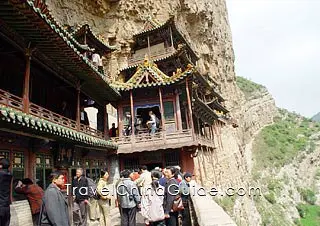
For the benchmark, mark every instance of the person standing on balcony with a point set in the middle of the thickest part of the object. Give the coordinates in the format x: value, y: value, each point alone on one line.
x: 96, y: 60
x: 152, y: 123
x: 113, y: 130
x: 5, y: 192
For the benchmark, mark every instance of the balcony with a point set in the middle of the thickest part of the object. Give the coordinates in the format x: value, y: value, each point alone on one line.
x: 160, y: 140
x: 134, y: 60
x: 9, y: 100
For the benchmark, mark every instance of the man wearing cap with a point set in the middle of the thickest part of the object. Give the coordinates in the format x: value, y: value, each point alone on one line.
x: 184, y: 188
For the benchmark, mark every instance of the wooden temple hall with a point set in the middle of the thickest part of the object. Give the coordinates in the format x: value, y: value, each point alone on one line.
x: 162, y: 77
x: 46, y: 84
x: 49, y: 80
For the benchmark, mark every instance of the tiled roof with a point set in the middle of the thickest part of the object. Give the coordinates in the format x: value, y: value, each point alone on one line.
x: 85, y: 27
x: 33, y: 21
x: 37, y: 125
x: 149, y: 75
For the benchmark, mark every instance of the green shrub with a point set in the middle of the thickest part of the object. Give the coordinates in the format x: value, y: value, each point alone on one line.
x: 302, y: 210
x: 248, y: 87
x: 308, y: 196
x: 270, y: 197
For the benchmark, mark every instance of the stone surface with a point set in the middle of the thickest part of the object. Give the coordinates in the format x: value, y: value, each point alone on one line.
x: 20, y: 214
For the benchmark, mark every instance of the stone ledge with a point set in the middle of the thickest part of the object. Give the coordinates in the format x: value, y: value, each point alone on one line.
x: 209, y: 213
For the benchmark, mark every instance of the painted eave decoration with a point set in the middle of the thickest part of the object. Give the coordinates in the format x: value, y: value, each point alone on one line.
x: 19, y: 118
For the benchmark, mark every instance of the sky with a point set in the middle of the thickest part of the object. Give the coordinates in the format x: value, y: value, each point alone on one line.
x: 277, y: 44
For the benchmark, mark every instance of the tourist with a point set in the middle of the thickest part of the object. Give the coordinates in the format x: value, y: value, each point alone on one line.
x: 152, y: 123
x: 105, y: 199
x: 184, y: 188
x: 96, y: 60
x: 163, y: 179
x: 129, y: 199
x: 81, y: 199
x: 5, y: 192
x: 113, y: 130
x: 34, y: 195
x: 54, y: 210
x: 144, y: 179
x: 135, y: 175
x: 170, y: 193
x: 153, y: 208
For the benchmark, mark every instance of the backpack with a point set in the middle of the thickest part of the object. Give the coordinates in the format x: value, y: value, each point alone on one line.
x: 92, y: 189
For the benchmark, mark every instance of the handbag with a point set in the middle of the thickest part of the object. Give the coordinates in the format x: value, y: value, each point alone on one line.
x: 177, y: 204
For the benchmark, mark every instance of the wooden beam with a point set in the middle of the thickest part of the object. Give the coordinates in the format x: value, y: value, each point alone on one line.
x: 189, y: 106
x: 132, y: 114
x: 179, y: 119
x: 78, y: 107
x: 26, y: 82
x: 163, y: 120
x: 105, y: 123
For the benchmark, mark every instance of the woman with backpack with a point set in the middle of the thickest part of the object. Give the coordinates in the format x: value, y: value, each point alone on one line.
x: 152, y: 209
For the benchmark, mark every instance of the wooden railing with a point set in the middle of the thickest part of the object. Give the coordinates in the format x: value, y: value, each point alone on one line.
x: 16, y: 102
x: 154, y: 55
x: 159, y: 139
x: 10, y: 100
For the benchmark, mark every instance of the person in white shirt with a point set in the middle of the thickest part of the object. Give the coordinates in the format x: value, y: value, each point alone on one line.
x: 96, y: 60
x: 152, y: 123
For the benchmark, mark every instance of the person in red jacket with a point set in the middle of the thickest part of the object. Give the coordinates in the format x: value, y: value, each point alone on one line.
x: 34, y: 194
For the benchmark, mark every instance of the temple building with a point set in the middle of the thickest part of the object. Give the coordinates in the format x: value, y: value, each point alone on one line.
x: 162, y: 77
x: 47, y: 81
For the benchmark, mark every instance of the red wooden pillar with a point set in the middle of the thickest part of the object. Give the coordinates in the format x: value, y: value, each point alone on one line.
x: 132, y: 114
x: 189, y: 105
x: 163, y: 120
x: 119, y: 118
x: 26, y: 83
x: 105, y: 123
x: 78, y: 107
x: 179, y: 120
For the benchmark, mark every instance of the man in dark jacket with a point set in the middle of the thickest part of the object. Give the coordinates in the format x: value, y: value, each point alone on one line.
x: 54, y: 210
x: 171, y: 190
x: 80, y: 188
x: 5, y: 192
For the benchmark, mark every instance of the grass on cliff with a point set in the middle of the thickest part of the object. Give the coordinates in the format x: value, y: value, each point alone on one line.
x: 248, y: 87
x: 310, y: 215
x: 279, y: 143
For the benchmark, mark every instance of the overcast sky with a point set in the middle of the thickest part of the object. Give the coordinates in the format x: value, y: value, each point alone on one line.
x: 277, y: 44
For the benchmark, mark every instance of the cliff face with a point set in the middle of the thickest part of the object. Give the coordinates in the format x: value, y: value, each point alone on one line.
x: 205, y: 25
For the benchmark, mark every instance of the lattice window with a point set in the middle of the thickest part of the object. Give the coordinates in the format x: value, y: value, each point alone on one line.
x: 131, y: 163
x: 172, y: 158
x: 18, y: 165
x: 4, y: 154
x: 168, y: 111
x: 44, y: 165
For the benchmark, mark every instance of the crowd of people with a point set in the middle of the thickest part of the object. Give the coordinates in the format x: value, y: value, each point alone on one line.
x: 161, y: 196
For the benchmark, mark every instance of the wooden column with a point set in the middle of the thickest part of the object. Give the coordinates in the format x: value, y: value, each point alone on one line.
x: 105, y: 123
x: 132, y: 113
x: 163, y: 120
x: 189, y: 105
x: 119, y: 120
x: 26, y: 82
x: 171, y: 39
x: 78, y: 107
x: 149, y: 50
x: 179, y: 120
x: 186, y: 116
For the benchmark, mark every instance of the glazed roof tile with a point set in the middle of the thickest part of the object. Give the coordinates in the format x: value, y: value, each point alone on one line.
x: 38, y: 125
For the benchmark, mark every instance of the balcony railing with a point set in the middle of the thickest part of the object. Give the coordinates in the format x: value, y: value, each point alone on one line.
x: 160, y: 140
x: 12, y: 101
x: 154, y: 55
